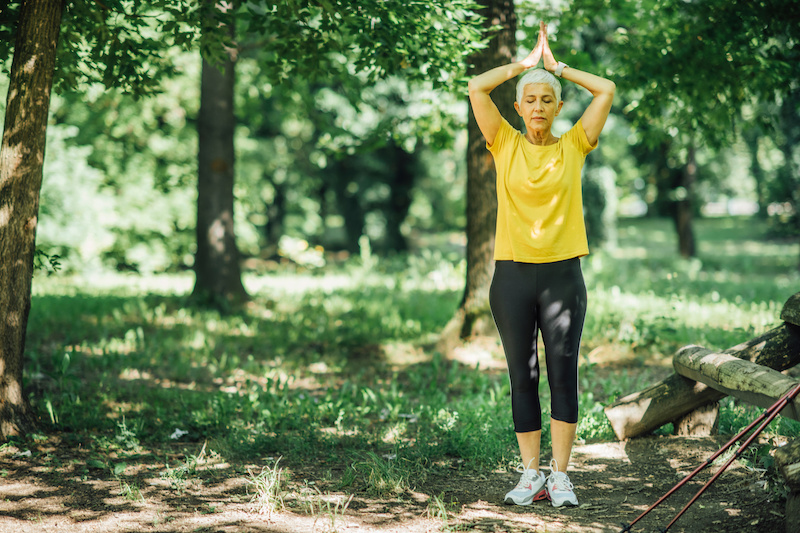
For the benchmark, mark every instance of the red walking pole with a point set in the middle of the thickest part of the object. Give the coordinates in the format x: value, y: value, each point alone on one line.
x: 772, y: 412
x: 776, y: 409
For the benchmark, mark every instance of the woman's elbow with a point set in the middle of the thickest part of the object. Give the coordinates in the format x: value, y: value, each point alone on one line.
x: 477, y: 86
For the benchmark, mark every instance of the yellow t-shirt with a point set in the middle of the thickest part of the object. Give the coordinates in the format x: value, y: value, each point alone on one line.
x: 539, y: 200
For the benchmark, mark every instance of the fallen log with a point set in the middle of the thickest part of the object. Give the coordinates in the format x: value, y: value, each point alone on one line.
x: 676, y: 396
x: 791, y: 310
x: 787, y: 461
x: 750, y: 382
x: 659, y: 404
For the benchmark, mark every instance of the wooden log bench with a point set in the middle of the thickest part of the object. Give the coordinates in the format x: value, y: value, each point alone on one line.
x: 787, y: 460
x: 750, y: 371
x: 675, y: 398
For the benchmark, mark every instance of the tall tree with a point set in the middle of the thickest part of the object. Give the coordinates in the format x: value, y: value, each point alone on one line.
x: 693, y: 66
x: 473, y: 315
x: 21, y: 157
x: 99, y: 45
x: 218, y: 276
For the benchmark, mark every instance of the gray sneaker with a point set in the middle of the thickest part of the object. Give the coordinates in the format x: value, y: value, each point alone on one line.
x: 531, y: 488
x: 559, y: 487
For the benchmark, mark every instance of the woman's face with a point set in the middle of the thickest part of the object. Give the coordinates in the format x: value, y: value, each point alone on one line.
x: 538, y: 108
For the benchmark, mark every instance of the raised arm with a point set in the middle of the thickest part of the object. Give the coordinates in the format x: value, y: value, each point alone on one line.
x: 483, y: 107
x: 602, y: 89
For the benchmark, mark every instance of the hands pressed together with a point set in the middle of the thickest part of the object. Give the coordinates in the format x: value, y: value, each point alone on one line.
x: 541, y: 52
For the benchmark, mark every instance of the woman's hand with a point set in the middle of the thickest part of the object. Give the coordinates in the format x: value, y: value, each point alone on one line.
x: 536, y: 54
x: 550, y: 62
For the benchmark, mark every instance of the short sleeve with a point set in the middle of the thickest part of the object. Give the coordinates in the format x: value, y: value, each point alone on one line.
x: 577, y: 137
x: 504, y: 134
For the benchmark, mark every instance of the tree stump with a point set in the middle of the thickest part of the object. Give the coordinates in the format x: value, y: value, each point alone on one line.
x: 791, y: 310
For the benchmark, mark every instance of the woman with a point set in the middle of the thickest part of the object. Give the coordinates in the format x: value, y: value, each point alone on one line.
x: 540, y: 238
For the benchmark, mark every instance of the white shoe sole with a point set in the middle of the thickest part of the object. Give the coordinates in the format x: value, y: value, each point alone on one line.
x: 541, y: 495
x: 565, y: 503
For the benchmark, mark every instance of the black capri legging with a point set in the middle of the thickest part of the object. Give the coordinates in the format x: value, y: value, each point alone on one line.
x: 551, y: 297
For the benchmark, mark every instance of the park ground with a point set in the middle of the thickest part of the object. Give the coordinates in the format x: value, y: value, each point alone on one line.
x: 615, y: 482
x: 322, y: 408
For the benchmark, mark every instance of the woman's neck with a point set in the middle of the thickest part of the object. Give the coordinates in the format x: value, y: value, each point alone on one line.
x: 540, y: 138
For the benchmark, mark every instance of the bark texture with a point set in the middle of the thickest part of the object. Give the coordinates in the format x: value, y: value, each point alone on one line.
x: 21, y: 161
x: 787, y: 461
x: 755, y: 384
x: 473, y: 315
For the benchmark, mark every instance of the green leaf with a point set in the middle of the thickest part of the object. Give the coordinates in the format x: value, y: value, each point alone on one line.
x: 119, y: 468
x: 95, y: 463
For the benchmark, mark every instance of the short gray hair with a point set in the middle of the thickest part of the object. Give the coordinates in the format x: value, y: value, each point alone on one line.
x: 538, y: 75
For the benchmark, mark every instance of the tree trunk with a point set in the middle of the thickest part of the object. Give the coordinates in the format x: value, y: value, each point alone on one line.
x: 789, y: 126
x: 399, y: 202
x: 676, y: 396
x: 684, y: 208
x: 276, y: 213
x: 667, y: 401
x: 665, y: 178
x: 473, y: 315
x: 21, y: 159
x: 752, y: 135
x: 217, y: 269
x: 791, y: 310
x: 348, y: 204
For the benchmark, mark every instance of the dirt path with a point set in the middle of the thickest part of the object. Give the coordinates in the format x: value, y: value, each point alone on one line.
x: 614, y: 482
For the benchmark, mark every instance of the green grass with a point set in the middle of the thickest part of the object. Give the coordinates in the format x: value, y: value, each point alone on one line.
x: 335, y: 366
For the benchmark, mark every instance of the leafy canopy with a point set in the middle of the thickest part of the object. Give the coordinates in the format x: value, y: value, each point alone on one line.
x: 122, y: 43
x: 683, y: 68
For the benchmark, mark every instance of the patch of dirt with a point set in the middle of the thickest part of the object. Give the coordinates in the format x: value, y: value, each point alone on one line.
x: 55, y: 490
